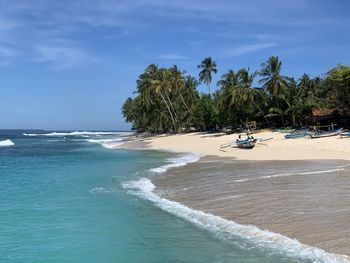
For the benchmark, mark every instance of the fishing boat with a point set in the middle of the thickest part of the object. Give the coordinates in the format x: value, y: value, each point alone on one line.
x: 324, y: 134
x: 246, y: 144
x: 345, y: 134
x: 286, y: 130
x: 297, y: 134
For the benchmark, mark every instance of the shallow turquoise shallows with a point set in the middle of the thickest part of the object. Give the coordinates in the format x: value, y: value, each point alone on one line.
x: 61, y: 200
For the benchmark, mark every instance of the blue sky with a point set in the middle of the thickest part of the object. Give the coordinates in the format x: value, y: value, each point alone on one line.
x: 71, y: 64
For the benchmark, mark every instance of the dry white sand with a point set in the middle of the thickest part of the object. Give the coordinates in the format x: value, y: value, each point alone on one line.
x: 278, y: 148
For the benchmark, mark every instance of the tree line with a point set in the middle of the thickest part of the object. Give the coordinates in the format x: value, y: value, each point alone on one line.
x: 167, y: 99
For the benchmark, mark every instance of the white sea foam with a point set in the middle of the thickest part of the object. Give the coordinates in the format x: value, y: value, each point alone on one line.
x: 343, y: 166
x: 6, y: 143
x: 99, y: 190
x: 108, y: 143
x: 144, y: 188
x: 181, y: 160
x: 78, y: 133
x: 290, y: 174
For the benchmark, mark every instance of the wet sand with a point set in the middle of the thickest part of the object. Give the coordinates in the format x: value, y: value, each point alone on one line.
x: 306, y: 200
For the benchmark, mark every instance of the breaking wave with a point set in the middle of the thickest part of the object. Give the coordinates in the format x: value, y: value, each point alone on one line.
x: 6, y: 143
x: 78, y: 133
x: 181, y: 160
x: 108, y: 143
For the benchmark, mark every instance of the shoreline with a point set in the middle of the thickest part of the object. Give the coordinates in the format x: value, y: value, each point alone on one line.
x: 172, y: 191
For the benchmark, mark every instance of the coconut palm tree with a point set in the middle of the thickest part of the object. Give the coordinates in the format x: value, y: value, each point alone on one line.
x: 207, y: 67
x: 161, y: 87
x: 272, y: 81
x: 247, y: 94
x: 228, y: 79
x: 176, y: 79
x: 190, y: 90
x: 144, y: 84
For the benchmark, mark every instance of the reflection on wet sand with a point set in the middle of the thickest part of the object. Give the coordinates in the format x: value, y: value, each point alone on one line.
x: 306, y: 200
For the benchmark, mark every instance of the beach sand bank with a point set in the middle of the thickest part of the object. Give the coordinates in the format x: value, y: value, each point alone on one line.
x: 278, y: 148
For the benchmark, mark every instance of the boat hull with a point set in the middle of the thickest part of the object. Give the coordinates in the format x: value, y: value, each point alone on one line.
x: 317, y: 135
x: 246, y: 144
x: 296, y: 135
x: 345, y: 134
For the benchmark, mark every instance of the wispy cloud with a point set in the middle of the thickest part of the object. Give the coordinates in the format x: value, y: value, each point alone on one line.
x: 246, y: 49
x: 7, y: 55
x: 7, y: 24
x: 62, y: 57
x: 198, y: 22
x: 7, y: 52
x: 170, y: 56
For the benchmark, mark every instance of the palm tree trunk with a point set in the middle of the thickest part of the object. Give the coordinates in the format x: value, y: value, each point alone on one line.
x: 171, y: 115
x: 183, y: 101
x: 277, y: 105
x: 172, y: 106
x: 256, y: 105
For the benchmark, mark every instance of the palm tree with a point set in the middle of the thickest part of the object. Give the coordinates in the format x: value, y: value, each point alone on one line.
x: 272, y: 80
x: 208, y: 66
x: 247, y: 93
x: 128, y: 110
x: 190, y: 91
x: 161, y: 86
x: 228, y: 79
x: 176, y: 79
x: 144, y: 84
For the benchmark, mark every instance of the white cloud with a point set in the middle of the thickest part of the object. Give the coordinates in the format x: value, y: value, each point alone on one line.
x: 62, y: 57
x: 246, y: 49
x: 210, y: 22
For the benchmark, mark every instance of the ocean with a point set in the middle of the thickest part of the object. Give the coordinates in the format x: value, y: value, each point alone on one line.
x: 69, y: 197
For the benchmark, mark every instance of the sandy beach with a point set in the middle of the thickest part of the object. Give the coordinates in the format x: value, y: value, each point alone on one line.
x: 278, y: 148
x: 298, y: 187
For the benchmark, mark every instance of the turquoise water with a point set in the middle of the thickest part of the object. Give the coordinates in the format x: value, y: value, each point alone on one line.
x: 62, y: 201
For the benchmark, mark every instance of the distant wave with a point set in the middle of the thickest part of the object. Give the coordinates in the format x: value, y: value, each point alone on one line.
x: 107, y: 143
x: 290, y: 174
x: 181, y: 160
x: 144, y: 189
x: 6, y: 143
x: 77, y: 133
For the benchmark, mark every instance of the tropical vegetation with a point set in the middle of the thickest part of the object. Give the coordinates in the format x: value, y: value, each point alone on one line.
x: 167, y: 99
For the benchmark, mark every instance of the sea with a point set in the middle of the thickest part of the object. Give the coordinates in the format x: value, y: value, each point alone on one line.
x: 69, y: 196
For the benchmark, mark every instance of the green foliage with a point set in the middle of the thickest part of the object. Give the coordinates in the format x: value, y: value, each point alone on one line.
x: 167, y: 100
x: 338, y: 83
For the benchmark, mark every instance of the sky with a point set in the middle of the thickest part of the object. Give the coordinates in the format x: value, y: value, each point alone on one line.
x: 69, y: 65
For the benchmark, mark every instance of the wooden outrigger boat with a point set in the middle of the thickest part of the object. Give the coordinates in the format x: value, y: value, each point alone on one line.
x: 246, y: 144
x: 286, y: 130
x: 324, y: 134
x: 345, y: 134
x: 297, y: 134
